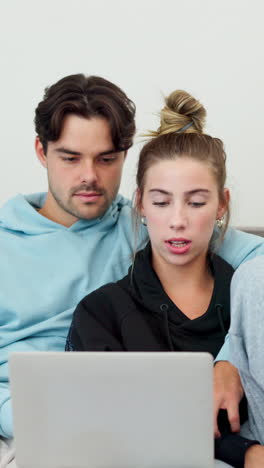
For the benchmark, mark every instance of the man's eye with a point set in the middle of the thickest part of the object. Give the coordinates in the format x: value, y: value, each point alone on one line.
x: 70, y: 160
x: 107, y: 160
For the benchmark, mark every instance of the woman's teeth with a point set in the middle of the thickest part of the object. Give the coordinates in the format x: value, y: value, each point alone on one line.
x: 178, y: 243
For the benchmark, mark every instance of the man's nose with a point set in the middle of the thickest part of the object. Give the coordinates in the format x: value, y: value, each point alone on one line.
x: 88, y: 173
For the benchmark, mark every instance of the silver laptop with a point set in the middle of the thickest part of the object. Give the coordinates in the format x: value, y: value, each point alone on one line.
x: 112, y: 410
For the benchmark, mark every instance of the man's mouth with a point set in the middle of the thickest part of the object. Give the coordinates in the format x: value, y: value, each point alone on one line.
x: 88, y: 196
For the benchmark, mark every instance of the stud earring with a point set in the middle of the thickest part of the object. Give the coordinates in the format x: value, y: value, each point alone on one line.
x: 220, y: 222
x: 143, y: 220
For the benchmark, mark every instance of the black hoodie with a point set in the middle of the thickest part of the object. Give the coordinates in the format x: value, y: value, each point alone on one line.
x: 135, y: 314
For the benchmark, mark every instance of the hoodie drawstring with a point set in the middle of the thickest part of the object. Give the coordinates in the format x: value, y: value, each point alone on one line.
x: 164, y: 310
x: 219, y: 310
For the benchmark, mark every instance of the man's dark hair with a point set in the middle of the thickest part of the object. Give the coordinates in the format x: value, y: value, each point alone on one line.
x: 87, y: 97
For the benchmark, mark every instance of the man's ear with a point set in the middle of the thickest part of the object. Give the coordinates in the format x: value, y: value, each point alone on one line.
x: 40, y: 152
x: 223, y: 204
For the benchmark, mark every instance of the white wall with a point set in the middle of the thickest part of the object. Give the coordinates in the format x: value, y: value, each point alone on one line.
x: 213, y: 49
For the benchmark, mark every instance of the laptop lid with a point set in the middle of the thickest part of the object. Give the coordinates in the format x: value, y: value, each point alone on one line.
x: 112, y: 410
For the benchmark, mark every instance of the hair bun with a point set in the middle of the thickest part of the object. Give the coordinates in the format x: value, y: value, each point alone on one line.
x: 182, y: 113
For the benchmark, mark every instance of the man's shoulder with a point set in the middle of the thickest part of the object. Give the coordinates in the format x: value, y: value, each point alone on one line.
x: 238, y: 247
x: 36, y: 200
x: 19, y: 215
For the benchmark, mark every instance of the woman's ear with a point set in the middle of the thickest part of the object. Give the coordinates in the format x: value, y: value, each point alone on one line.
x: 223, y: 204
x: 40, y: 152
x: 138, y: 202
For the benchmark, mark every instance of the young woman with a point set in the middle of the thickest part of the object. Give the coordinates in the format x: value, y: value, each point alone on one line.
x: 177, y: 292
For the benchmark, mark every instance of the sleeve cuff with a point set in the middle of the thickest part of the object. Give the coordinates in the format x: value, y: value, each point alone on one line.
x: 6, y: 424
x: 231, y: 448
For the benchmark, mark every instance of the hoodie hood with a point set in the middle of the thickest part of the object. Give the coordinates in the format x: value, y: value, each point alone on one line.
x: 148, y: 293
x: 20, y: 214
x: 145, y: 285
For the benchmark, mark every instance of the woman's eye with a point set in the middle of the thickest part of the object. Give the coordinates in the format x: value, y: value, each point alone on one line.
x: 197, y: 204
x: 160, y: 203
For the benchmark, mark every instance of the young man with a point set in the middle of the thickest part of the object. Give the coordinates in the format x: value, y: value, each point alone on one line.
x: 59, y: 246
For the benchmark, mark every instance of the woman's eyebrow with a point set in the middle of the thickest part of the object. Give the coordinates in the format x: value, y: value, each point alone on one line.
x: 198, y: 190
x: 188, y: 192
x: 165, y: 192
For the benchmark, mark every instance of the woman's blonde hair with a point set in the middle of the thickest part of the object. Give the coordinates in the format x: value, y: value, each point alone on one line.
x: 180, y: 134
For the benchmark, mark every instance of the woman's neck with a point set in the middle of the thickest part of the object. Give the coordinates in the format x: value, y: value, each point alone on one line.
x: 196, y: 272
x: 189, y: 286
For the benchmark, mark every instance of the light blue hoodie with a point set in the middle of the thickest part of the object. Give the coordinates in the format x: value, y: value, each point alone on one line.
x: 46, y: 269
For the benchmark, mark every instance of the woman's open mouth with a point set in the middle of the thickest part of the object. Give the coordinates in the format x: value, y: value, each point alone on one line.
x: 178, y: 246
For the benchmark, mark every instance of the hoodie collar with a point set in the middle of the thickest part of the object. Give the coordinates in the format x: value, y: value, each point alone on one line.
x: 145, y: 284
x: 20, y: 214
x: 147, y: 288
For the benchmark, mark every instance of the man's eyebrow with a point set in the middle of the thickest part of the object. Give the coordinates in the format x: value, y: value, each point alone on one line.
x: 189, y: 192
x: 104, y: 153
x: 63, y: 150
